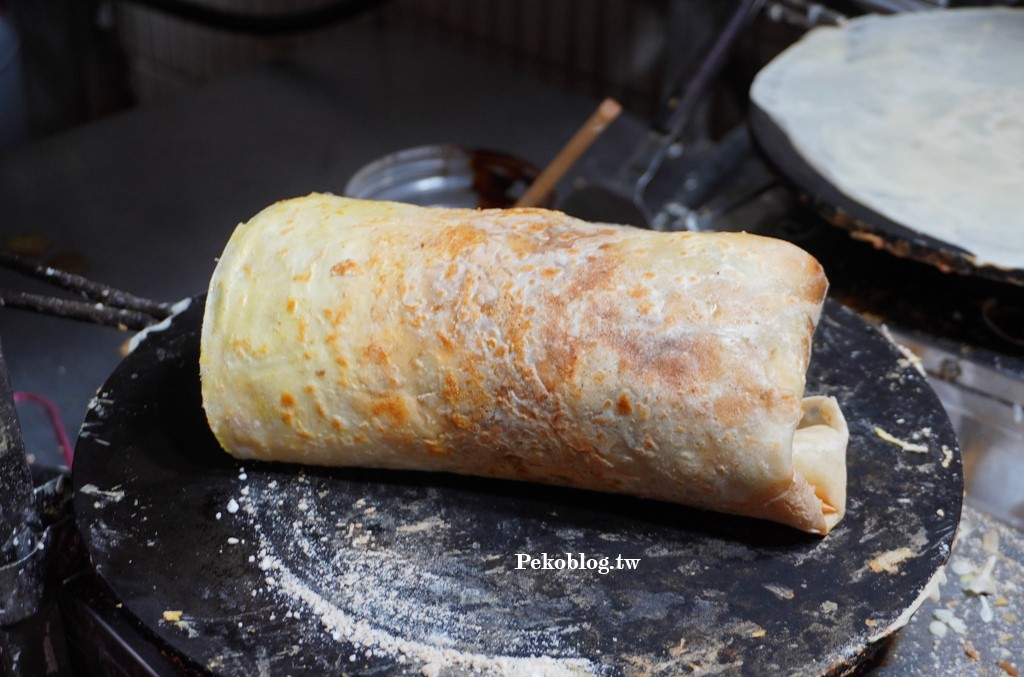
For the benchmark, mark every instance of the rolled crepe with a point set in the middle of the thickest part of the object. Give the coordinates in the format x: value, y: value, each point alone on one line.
x: 528, y: 345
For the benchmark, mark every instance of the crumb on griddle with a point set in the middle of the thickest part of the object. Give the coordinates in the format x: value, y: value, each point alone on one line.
x: 889, y: 562
x: 903, y: 444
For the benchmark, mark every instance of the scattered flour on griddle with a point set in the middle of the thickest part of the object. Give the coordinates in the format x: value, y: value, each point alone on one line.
x: 378, y: 598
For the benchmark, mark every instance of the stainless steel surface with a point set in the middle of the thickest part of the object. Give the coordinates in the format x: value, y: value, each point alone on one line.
x: 802, y: 13
x: 987, y: 410
x: 970, y: 641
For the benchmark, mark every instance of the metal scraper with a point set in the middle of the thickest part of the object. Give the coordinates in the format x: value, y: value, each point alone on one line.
x: 622, y: 199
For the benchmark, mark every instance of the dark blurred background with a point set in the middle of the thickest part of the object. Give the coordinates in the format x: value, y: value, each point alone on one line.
x: 65, y: 62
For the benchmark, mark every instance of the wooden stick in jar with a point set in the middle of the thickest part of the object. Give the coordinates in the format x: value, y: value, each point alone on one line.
x: 570, y: 153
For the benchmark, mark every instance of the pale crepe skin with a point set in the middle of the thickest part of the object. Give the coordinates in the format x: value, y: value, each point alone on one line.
x: 525, y: 344
x: 916, y: 116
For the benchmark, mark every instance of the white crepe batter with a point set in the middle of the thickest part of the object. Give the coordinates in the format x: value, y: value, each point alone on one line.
x: 919, y: 117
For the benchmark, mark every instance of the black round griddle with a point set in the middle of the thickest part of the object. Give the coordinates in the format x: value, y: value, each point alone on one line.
x: 324, y: 571
x: 861, y: 221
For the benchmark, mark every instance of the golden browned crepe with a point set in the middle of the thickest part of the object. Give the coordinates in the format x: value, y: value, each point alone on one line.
x: 525, y: 344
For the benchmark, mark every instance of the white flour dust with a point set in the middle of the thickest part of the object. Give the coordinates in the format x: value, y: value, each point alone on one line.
x: 358, y: 574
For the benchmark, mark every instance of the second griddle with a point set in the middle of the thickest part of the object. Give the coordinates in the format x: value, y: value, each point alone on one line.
x: 860, y: 220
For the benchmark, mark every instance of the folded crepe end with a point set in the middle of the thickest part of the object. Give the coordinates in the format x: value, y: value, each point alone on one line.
x: 815, y: 500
